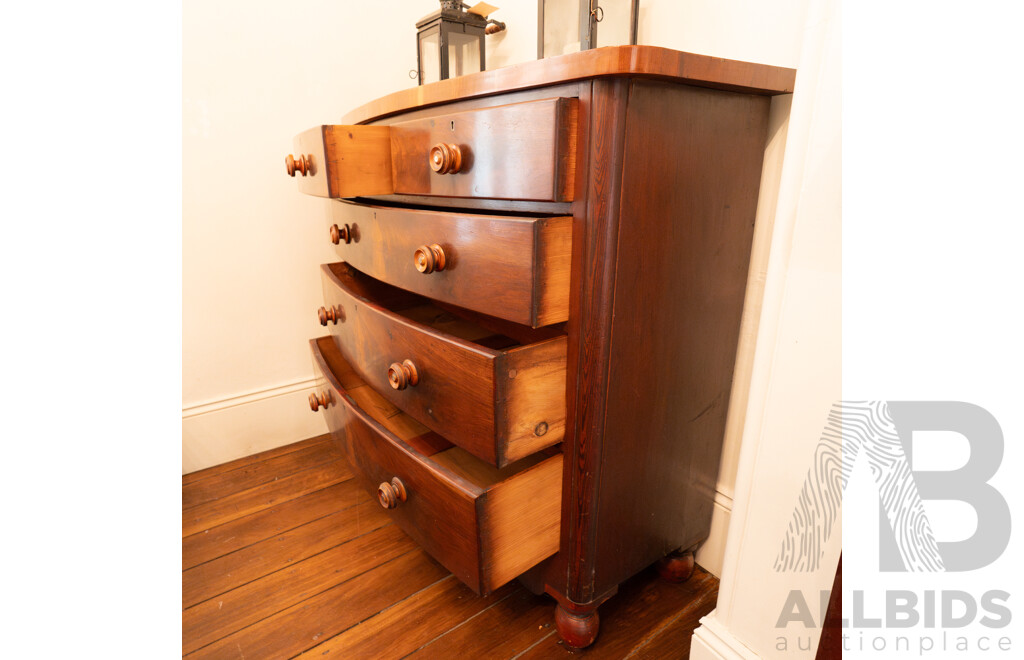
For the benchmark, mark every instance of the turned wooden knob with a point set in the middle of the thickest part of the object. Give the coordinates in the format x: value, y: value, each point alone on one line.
x: 301, y: 165
x: 342, y: 234
x: 402, y: 375
x: 429, y: 258
x: 334, y: 314
x: 317, y: 399
x: 445, y: 158
x: 391, y: 494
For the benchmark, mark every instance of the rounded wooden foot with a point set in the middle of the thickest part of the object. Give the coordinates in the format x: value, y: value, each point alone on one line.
x: 577, y: 628
x: 677, y: 567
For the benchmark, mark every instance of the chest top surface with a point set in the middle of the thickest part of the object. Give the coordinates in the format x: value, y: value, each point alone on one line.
x: 613, y: 61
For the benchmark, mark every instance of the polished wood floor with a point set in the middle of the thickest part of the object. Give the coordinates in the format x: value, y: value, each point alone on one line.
x: 284, y: 555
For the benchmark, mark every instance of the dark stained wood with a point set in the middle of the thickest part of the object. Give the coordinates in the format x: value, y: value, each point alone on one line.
x: 403, y: 602
x: 247, y: 564
x: 646, y: 610
x: 410, y: 624
x: 830, y: 645
x: 466, y: 204
x: 294, y: 630
x: 578, y: 627
x: 464, y: 389
x: 243, y: 532
x: 263, y: 496
x: 595, y: 240
x: 242, y: 478
x: 247, y: 461
x: 508, y: 627
x: 206, y: 622
x: 674, y: 336
x: 485, y: 525
x: 667, y: 162
x: 615, y: 61
x: 517, y: 151
x: 515, y: 268
x: 676, y: 567
x: 345, y: 161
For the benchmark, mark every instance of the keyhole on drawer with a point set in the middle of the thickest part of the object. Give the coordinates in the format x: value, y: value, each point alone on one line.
x: 453, y: 125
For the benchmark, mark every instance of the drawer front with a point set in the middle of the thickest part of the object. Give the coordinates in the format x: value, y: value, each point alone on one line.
x: 514, y: 268
x: 500, y: 404
x: 517, y: 151
x: 520, y: 151
x: 485, y: 525
x: 342, y: 161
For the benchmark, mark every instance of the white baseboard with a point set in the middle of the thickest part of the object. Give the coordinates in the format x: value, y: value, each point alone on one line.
x: 711, y: 553
x: 220, y: 431
x: 711, y: 641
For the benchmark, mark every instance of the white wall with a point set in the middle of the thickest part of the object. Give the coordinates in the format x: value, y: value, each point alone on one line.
x: 796, y: 371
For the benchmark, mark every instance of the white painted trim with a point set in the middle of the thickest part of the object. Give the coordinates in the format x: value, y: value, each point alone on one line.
x: 713, y: 641
x: 240, y: 399
x: 216, y: 432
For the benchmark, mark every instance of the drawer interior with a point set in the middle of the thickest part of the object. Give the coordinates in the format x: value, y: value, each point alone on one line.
x: 470, y: 326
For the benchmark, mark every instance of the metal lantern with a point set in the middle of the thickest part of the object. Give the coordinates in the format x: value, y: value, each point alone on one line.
x: 450, y: 42
x: 569, y: 26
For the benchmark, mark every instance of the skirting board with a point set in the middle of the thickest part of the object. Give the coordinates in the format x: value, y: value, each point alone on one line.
x: 711, y: 641
x: 221, y: 431
x: 711, y: 553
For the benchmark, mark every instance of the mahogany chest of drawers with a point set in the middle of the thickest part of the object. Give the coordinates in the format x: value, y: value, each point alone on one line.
x: 534, y: 314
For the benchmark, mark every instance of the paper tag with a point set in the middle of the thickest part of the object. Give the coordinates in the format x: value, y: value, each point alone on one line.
x: 482, y: 9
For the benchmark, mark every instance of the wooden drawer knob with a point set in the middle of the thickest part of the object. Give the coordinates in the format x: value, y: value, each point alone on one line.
x: 445, y: 158
x: 402, y: 375
x: 429, y: 258
x: 342, y: 234
x: 391, y: 494
x: 303, y: 164
x: 334, y: 314
x: 317, y: 399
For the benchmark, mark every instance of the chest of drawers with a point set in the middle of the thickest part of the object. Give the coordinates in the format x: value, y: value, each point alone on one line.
x: 534, y: 314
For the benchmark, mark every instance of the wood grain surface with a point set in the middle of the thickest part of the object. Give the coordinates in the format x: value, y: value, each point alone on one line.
x: 459, y: 364
x: 613, y: 61
x: 484, y: 524
x: 515, y: 268
x: 516, y: 151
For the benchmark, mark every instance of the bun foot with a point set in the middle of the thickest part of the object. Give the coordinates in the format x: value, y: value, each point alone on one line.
x: 578, y: 627
x: 677, y: 567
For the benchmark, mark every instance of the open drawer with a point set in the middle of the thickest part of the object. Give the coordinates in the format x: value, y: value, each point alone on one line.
x: 522, y: 151
x: 485, y: 525
x: 512, y: 267
x: 496, y: 389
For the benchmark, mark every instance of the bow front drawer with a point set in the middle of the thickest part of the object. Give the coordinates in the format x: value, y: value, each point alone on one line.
x: 520, y: 151
x: 515, y: 268
x: 485, y: 525
x: 494, y: 388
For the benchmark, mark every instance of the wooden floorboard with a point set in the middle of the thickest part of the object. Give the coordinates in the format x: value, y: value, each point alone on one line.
x: 236, y: 505
x: 285, y: 555
x: 253, y: 528
x: 221, y: 485
x: 245, y: 461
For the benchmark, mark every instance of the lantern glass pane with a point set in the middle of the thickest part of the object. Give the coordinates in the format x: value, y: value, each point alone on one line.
x: 615, y: 29
x: 561, y: 27
x: 430, y: 56
x: 463, y: 54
